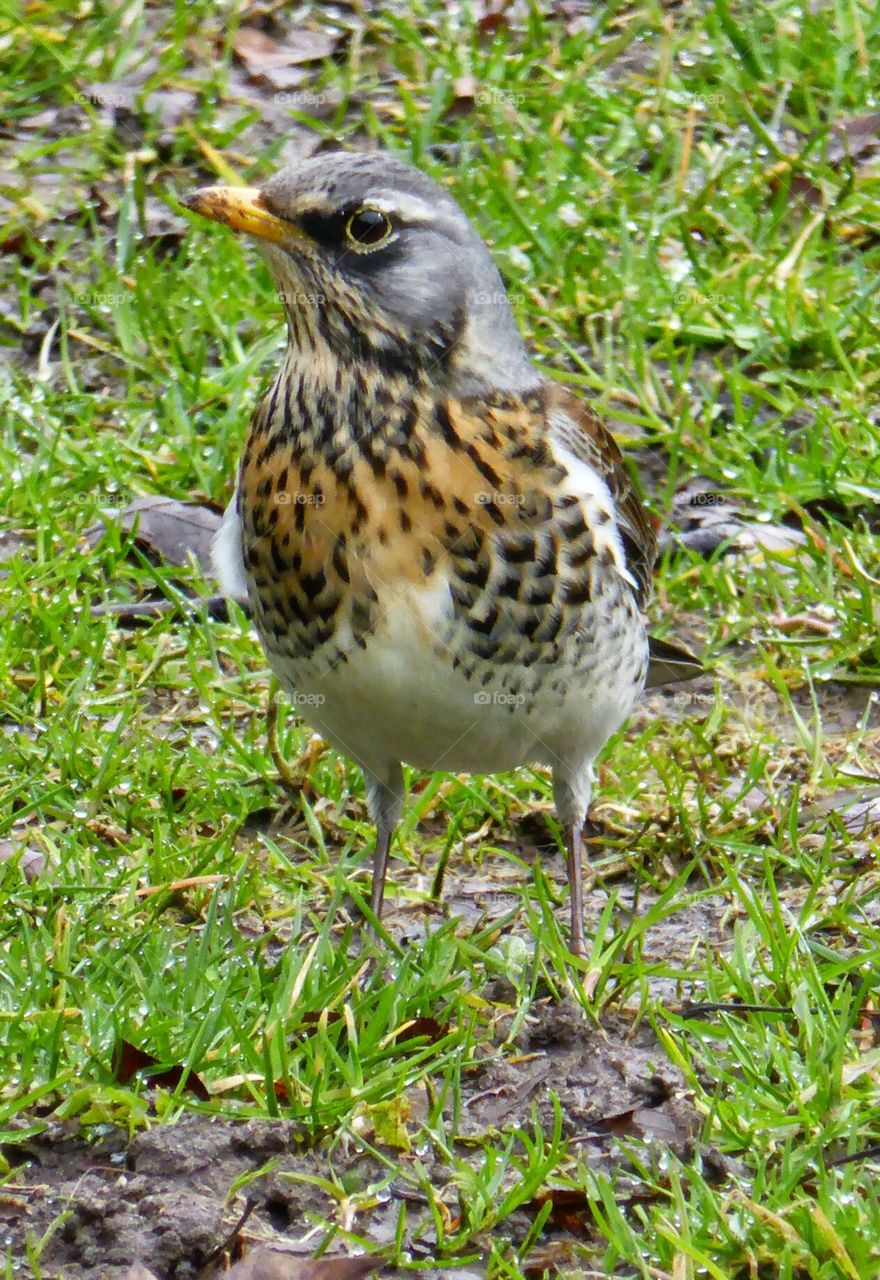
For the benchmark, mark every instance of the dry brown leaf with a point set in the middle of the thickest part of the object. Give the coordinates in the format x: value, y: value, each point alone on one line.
x: 260, y: 52
x: 648, y: 1123
x: 850, y: 138
x: 268, y: 1264
x: 464, y: 95
x: 804, y: 621
x: 279, y: 64
x: 128, y: 1060
x: 858, y: 808
x: 165, y: 528
x: 492, y: 19
x: 172, y: 106
x: 31, y: 862
x: 704, y: 518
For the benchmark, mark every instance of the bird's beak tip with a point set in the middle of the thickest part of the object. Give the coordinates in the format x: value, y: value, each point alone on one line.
x: 241, y: 208
x: 190, y: 201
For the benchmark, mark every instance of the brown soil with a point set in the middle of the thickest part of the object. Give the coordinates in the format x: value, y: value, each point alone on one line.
x: 167, y: 1199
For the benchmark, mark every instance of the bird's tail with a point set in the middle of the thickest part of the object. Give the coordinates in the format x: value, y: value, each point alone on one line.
x: 670, y: 662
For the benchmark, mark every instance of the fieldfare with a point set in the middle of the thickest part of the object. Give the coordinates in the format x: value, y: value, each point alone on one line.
x: 444, y: 554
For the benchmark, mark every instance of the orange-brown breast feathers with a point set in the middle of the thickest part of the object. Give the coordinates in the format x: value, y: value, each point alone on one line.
x: 473, y: 489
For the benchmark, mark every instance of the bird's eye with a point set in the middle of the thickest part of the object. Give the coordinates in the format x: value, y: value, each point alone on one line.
x: 368, y: 228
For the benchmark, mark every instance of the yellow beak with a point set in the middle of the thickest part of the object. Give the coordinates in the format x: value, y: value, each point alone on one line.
x: 242, y: 209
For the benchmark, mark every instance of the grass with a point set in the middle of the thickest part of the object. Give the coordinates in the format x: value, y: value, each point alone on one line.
x: 641, y: 181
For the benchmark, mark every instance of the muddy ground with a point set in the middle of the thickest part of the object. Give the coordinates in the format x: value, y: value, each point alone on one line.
x: 170, y: 1197
x: 168, y: 1200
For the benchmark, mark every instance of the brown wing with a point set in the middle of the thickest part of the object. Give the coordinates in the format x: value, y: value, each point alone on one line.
x: 592, y: 442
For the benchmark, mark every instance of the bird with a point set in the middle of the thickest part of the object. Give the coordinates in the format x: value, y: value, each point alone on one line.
x: 444, y: 553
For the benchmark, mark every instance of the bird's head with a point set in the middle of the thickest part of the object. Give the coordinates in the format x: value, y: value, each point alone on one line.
x: 376, y: 262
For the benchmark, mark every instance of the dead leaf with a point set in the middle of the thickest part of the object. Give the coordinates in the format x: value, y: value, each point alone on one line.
x: 464, y: 95
x: 31, y: 862
x: 422, y: 1028
x: 848, y: 140
x: 268, y: 1264
x: 805, y: 621
x: 555, y: 1257
x: 494, y: 19
x: 801, y: 188
x: 17, y: 243
x: 279, y: 63
x: 172, y: 106
x: 704, y: 518
x: 648, y: 1123
x: 388, y: 1121
x: 858, y: 808
x: 570, y: 1209
x: 260, y: 52
x: 749, y: 802
x: 851, y: 138
x: 129, y: 1060
x: 165, y: 529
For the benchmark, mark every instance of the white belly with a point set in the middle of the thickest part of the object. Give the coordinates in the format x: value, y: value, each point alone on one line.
x: 402, y: 699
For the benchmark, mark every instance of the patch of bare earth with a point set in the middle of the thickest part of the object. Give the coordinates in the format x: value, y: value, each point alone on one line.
x: 167, y: 1199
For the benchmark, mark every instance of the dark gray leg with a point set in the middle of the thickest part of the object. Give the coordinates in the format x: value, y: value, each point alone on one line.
x: 385, y: 802
x: 574, y: 856
x: 571, y: 791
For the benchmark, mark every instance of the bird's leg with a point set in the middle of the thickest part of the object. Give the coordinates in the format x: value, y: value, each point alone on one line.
x: 385, y: 802
x: 574, y: 856
x: 572, y: 789
x: 384, y: 832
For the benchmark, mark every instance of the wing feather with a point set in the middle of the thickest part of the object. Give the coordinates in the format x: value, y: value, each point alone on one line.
x: 592, y: 443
